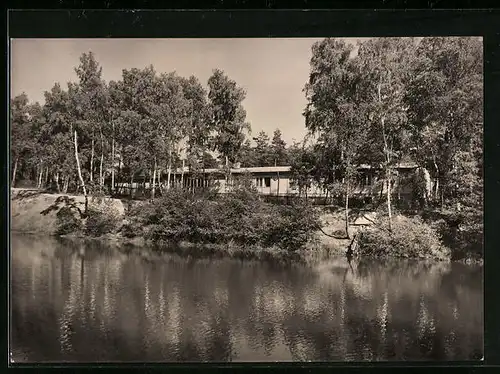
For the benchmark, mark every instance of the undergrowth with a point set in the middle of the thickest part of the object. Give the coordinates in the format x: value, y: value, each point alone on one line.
x: 238, y: 217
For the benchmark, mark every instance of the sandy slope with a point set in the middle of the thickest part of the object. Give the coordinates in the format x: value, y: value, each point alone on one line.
x: 27, y: 205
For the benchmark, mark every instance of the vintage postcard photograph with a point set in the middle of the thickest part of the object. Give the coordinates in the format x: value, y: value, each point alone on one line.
x: 246, y: 200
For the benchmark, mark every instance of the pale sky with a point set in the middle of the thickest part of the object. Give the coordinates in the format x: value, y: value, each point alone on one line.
x: 272, y: 71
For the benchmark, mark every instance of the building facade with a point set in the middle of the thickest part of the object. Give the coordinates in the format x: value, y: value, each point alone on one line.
x: 277, y: 180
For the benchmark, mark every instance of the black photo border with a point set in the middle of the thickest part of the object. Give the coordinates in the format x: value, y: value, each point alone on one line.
x: 114, y: 22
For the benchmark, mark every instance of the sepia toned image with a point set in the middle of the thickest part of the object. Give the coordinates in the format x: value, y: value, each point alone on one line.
x: 246, y: 200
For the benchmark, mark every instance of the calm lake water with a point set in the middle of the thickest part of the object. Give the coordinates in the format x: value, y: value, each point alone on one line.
x: 86, y: 302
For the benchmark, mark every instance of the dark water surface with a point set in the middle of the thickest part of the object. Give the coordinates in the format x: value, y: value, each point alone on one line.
x: 85, y: 302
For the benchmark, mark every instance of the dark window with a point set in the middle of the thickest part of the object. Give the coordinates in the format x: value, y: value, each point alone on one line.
x: 267, y: 181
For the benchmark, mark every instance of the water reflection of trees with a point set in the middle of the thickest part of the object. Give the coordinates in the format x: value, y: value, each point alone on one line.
x: 165, y: 308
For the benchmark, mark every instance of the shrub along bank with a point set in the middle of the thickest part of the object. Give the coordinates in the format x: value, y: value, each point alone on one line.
x: 238, y: 217
x: 410, y: 237
x: 462, y: 230
x: 448, y: 233
x: 101, y: 218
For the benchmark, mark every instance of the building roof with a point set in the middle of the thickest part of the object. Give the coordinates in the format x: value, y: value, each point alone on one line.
x: 407, y: 165
x: 401, y: 165
x: 260, y: 169
x: 276, y: 169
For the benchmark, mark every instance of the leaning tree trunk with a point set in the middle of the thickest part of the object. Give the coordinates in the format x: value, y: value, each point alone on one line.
x: 46, y: 176
x: 154, y: 182
x: 347, y: 208
x: 79, y: 169
x: 101, y: 173
x: 182, y: 173
x: 228, y: 174
x: 169, y: 171
x: 436, y: 189
x: 436, y: 186
x: 13, y: 181
x: 399, y: 187
x: 389, y: 205
x: 92, y: 159
x: 158, y: 175
x: 387, y: 173
x: 387, y: 160
x: 120, y: 163
x: 66, y: 184
x: 113, y: 160
x: 39, y: 183
x: 381, y: 183
x: 57, y: 182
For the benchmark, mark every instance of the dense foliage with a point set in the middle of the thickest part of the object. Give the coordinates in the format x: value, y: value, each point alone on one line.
x: 238, y: 217
x: 394, y: 99
x: 102, y: 218
x: 463, y: 230
x: 95, y: 134
x: 67, y: 221
x: 380, y: 103
x: 409, y: 238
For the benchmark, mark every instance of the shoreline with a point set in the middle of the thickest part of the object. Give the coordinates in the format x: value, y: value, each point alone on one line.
x: 27, y: 218
x: 230, y: 251
x: 189, y: 249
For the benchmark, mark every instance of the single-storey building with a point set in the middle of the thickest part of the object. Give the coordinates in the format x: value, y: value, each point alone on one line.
x: 277, y: 180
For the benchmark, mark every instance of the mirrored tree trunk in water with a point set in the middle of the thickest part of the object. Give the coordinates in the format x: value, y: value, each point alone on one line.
x: 75, y: 301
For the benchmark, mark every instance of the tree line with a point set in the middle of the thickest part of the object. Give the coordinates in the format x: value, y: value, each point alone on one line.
x: 95, y: 133
x: 387, y: 100
x: 379, y: 103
